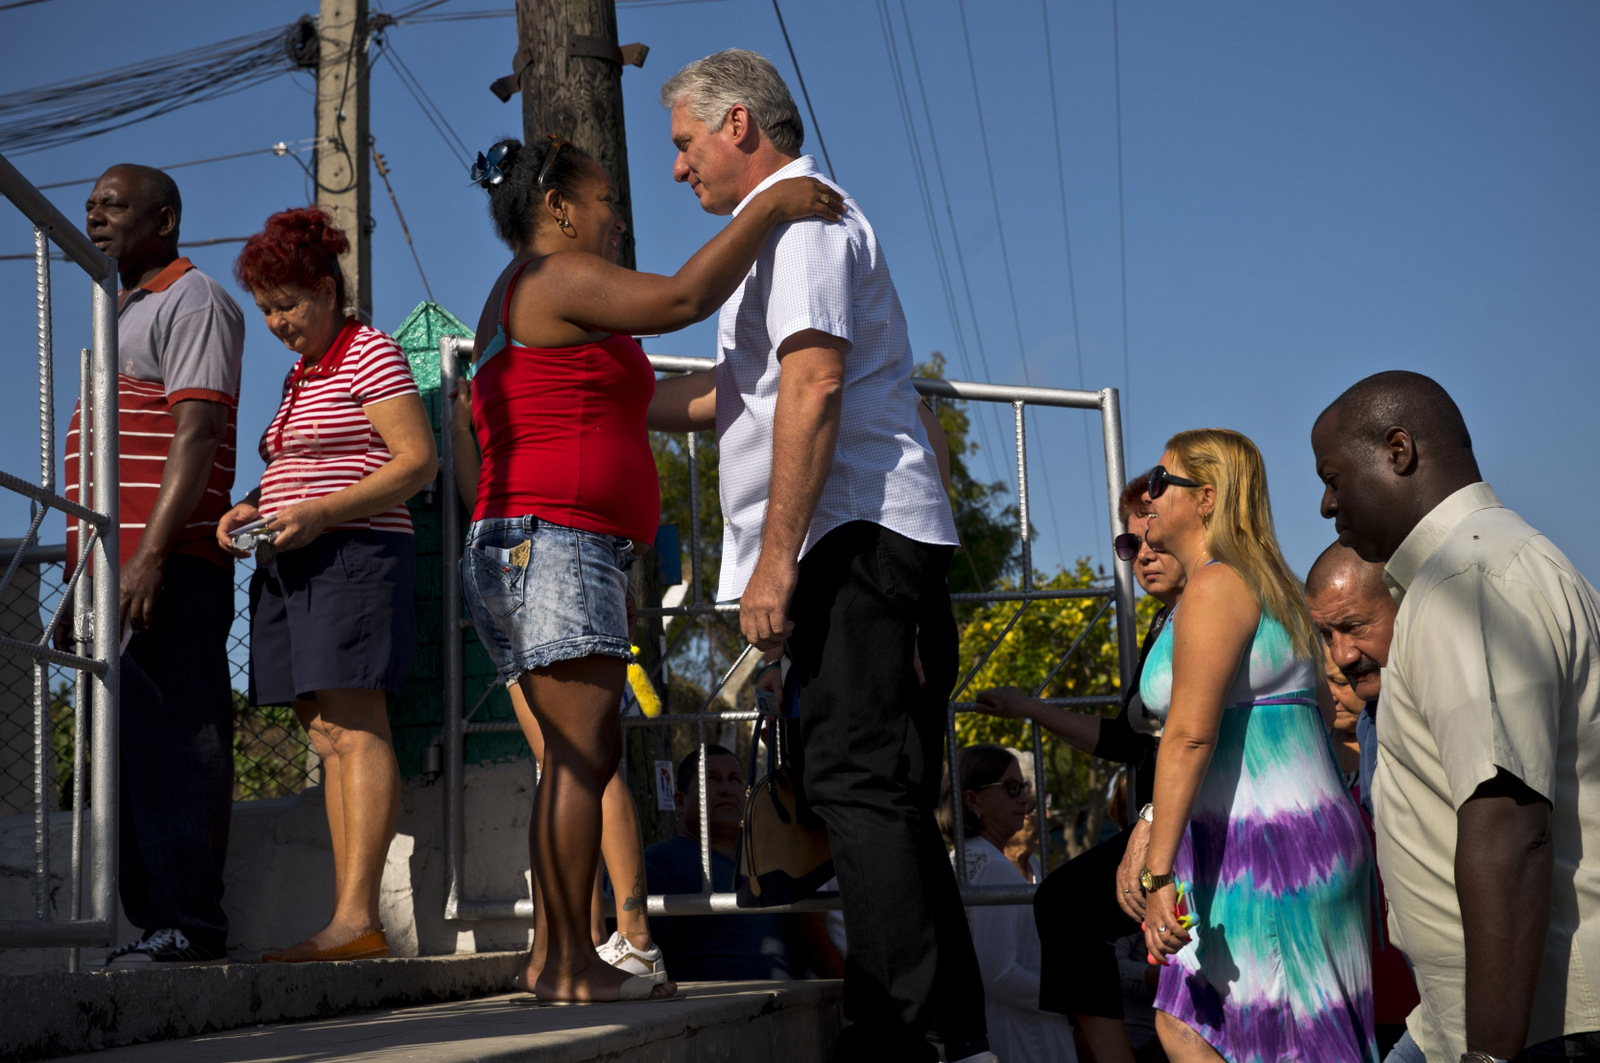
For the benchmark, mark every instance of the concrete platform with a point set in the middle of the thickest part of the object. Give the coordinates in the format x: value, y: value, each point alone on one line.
x: 44, y: 1016
x: 722, y: 1022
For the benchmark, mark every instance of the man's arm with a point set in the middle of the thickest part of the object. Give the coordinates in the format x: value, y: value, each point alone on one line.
x: 685, y: 403
x: 1504, y: 866
x: 805, y: 428
x: 200, y: 425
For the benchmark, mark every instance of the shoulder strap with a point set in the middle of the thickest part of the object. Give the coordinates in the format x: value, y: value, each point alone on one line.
x: 505, y: 300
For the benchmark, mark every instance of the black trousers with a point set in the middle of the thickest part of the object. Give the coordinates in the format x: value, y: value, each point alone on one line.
x: 177, y: 756
x: 1079, y: 920
x: 872, y: 742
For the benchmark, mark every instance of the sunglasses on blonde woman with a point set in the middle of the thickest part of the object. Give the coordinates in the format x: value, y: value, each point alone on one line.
x: 1161, y: 479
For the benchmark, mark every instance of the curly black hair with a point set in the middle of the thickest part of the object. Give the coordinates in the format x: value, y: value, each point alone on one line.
x: 513, y: 200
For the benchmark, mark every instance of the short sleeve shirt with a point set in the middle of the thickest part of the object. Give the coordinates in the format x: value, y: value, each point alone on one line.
x: 832, y: 278
x: 321, y: 440
x: 1495, y: 664
x: 180, y: 336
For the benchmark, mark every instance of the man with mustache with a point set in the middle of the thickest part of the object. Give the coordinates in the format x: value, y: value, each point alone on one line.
x: 1355, y: 614
x: 1487, y: 783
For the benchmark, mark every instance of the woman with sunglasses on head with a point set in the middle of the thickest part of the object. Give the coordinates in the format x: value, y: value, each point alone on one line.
x: 1270, y: 957
x: 995, y: 802
x: 567, y: 493
x: 1081, y: 908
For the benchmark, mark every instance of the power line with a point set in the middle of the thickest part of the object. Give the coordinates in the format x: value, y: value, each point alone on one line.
x: 1005, y: 261
x: 19, y: 3
x: 66, y: 111
x: 941, y: 264
x: 955, y: 235
x: 1122, y: 231
x: 280, y: 148
x: 383, y: 172
x: 1072, y: 287
x: 430, y: 110
x: 801, y: 78
x: 31, y: 256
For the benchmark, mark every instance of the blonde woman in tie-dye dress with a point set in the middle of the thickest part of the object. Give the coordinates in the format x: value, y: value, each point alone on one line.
x: 1250, y: 816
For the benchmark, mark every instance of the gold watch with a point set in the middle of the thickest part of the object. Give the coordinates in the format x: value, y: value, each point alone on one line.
x: 1150, y: 883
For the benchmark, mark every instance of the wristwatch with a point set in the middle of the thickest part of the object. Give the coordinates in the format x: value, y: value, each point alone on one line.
x: 1150, y: 883
x: 1148, y: 813
x: 1482, y: 1057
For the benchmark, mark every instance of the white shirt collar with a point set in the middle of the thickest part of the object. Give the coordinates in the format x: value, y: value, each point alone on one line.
x: 804, y: 166
x: 1432, y: 531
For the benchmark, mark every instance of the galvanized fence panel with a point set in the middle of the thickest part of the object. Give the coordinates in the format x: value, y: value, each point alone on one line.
x: 1118, y: 600
x: 93, y: 609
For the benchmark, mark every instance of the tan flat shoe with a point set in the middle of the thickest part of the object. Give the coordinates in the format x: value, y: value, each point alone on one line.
x: 368, y: 946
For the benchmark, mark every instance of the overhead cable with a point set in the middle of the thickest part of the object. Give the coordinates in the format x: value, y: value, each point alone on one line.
x: 1072, y: 286
x: 1005, y: 262
x: 1122, y: 230
x: 801, y: 78
x: 51, y: 115
x: 282, y: 147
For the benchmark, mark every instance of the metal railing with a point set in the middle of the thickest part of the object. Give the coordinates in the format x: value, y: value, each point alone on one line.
x: 1119, y: 595
x: 94, y: 601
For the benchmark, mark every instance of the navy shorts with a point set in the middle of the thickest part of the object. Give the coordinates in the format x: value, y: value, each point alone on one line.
x: 336, y: 614
x: 540, y: 592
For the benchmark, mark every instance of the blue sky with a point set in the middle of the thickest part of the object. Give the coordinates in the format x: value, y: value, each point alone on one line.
x: 1312, y: 192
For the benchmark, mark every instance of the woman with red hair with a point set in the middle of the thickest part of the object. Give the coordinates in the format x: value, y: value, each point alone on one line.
x: 332, y: 628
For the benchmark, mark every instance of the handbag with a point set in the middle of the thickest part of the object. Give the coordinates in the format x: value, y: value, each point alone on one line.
x: 783, y: 854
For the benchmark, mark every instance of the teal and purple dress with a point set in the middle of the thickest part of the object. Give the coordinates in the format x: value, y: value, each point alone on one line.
x: 1278, y: 866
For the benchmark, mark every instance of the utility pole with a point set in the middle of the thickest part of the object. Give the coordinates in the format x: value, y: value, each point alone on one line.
x: 344, y: 186
x: 570, y: 70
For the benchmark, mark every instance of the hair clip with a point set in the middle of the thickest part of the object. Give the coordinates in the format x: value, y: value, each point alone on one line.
x: 486, y: 171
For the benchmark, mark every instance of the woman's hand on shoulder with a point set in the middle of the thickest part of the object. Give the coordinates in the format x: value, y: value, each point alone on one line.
x: 803, y: 197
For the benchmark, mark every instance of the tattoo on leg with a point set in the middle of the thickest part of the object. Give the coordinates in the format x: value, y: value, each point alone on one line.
x: 636, y: 899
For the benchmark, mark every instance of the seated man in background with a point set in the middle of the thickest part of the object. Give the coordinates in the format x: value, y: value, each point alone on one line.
x: 710, y: 948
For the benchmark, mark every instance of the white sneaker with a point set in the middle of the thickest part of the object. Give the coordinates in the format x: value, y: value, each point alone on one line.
x: 620, y: 953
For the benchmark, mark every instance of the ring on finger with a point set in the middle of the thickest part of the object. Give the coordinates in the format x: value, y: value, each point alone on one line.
x: 1161, y: 929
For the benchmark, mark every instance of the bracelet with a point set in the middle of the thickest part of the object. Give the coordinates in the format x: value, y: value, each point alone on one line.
x: 1148, y: 813
x: 769, y: 666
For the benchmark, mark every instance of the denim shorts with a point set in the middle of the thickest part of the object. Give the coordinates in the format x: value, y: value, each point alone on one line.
x: 540, y: 592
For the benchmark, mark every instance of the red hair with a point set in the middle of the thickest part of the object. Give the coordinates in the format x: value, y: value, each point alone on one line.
x: 300, y: 246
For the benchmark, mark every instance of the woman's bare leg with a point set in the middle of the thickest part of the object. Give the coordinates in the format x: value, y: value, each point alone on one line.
x: 575, y: 704
x: 333, y: 803
x: 363, y: 798
x: 1182, y: 1043
x: 623, y: 849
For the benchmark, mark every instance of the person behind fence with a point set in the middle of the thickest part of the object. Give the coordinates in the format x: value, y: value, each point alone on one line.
x: 567, y: 495
x: 837, y: 539
x: 1272, y: 957
x: 180, y: 338
x: 332, y: 627
x: 709, y: 948
x: 1354, y: 612
x: 1082, y: 909
x: 995, y: 801
x: 1487, y: 783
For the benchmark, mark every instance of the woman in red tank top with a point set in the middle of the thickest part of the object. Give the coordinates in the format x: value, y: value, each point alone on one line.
x: 565, y: 497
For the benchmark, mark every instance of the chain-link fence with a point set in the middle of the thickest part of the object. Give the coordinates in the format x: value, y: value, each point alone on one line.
x: 271, y: 757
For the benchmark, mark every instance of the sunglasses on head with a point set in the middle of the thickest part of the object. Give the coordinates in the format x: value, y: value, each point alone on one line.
x: 557, y: 147
x: 1161, y: 479
x: 1127, y: 545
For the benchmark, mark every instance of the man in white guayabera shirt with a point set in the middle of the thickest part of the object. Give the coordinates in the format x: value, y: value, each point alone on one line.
x: 838, y: 539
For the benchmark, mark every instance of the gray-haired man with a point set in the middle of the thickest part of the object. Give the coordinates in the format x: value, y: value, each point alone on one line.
x: 838, y: 537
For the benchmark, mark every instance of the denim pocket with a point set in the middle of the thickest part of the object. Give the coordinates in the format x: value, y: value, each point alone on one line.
x: 498, y: 578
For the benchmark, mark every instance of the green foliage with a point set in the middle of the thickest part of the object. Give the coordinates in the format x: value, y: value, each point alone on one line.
x: 269, y: 751
x: 988, y: 528
x: 1075, y: 782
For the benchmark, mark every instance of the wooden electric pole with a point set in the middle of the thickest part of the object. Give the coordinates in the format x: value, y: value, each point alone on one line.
x: 570, y: 69
x: 344, y: 185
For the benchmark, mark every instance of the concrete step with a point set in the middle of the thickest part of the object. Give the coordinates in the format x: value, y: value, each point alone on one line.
x: 712, y: 1022
x: 48, y: 1015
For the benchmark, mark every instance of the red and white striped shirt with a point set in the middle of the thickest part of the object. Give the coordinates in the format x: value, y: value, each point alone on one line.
x: 320, y: 440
